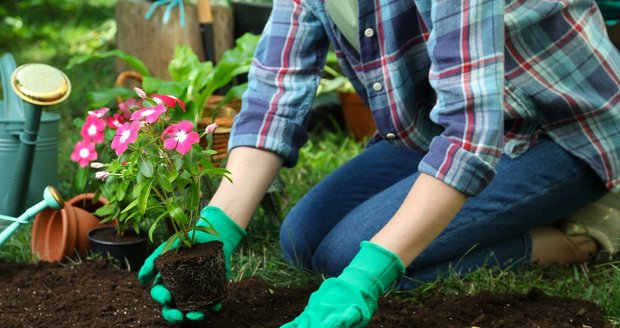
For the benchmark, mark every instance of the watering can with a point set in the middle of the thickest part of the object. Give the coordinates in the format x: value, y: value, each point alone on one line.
x: 28, y: 135
x: 51, y: 199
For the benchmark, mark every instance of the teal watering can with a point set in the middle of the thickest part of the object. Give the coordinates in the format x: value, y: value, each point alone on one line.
x: 28, y: 140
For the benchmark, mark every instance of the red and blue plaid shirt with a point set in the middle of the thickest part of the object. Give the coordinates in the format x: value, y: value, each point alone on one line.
x: 463, y: 81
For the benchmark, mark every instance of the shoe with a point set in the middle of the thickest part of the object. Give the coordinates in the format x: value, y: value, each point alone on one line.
x: 601, y: 221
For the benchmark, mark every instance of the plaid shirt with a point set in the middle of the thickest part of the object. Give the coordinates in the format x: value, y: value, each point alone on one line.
x: 462, y: 81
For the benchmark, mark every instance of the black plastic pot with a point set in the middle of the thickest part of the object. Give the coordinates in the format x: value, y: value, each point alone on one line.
x: 130, y: 253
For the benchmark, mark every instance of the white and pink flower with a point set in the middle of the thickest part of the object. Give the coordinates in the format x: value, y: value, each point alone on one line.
x: 180, y: 137
x: 126, y: 134
x: 168, y: 100
x: 115, y: 121
x: 93, y: 129
x: 84, y: 152
x: 99, y: 113
x: 149, y: 114
x: 127, y: 106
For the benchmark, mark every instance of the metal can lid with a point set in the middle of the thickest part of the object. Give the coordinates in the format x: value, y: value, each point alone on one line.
x: 41, y: 84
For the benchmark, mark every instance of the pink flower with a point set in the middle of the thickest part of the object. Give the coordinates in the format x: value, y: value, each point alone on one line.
x: 211, y: 128
x: 170, y: 101
x: 93, y: 129
x: 140, y: 92
x: 126, y: 134
x: 115, y: 121
x: 127, y: 106
x: 99, y: 113
x: 149, y: 114
x: 181, y: 137
x: 84, y: 152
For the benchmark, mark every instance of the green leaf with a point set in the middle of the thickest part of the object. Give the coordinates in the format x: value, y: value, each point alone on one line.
x: 164, y: 183
x: 105, y: 210
x: 135, y: 62
x: 144, y: 196
x: 155, y: 223
x: 81, y: 178
x: 208, y: 230
x: 177, y: 214
x: 170, y: 241
x: 146, y: 167
x: 121, y: 190
x: 106, y: 97
x: 193, y: 196
x: 131, y: 205
x: 156, y: 85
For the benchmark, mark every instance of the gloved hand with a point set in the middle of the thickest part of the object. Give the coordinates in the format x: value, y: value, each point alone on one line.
x: 230, y: 234
x: 351, y: 299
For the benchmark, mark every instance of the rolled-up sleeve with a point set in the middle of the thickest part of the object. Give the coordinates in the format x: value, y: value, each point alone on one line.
x: 466, y: 47
x: 283, y: 79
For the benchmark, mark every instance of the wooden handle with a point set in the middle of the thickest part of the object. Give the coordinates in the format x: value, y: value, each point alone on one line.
x: 205, y: 16
x: 123, y: 77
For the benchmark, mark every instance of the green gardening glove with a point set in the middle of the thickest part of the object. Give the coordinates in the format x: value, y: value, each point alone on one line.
x: 350, y: 300
x: 230, y: 234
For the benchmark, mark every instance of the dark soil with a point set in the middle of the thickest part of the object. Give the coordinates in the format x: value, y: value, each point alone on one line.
x: 110, y: 235
x: 96, y: 294
x: 196, y: 276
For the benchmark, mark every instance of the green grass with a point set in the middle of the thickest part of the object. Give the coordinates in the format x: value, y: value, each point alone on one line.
x: 52, y: 31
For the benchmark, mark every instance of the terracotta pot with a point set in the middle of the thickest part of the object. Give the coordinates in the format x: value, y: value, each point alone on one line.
x: 58, y: 235
x: 53, y: 235
x: 357, y: 115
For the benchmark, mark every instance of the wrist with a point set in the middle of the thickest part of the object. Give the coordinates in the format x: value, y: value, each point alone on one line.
x: 228, y: 230
x: 374, y: 267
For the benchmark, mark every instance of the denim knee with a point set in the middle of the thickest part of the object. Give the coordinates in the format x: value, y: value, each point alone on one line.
x: 295, y: 249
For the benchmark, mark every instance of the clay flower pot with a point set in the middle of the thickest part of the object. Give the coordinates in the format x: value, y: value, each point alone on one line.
x: 58, y: 235
x: 357, y: 115
x: 196, y: 276
x: 129, y: 250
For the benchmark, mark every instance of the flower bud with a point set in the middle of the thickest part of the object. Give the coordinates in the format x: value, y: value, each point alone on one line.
x: 140, y: 92
x: 102, y: 175
x: 211, y: 128
x: 96, y: 165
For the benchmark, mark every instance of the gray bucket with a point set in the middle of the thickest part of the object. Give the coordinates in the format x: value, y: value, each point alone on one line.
x: 45, y: 166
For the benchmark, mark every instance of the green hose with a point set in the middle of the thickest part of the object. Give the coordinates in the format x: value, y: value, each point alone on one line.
x: 610, y: 10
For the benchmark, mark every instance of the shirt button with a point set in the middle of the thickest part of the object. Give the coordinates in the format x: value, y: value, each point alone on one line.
x: 369, y: 32
x: 390, y: 136
x: 377, y: 86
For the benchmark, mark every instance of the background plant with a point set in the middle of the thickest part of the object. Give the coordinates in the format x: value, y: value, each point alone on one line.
x: 193, y: 81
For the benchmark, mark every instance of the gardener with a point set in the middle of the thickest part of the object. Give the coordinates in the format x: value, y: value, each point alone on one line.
x: 495, y: 119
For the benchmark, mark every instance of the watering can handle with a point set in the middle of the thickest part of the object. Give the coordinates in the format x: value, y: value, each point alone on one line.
x: 13, y: 106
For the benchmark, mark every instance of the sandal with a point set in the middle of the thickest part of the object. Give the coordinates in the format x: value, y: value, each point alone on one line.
x: 600, y: 221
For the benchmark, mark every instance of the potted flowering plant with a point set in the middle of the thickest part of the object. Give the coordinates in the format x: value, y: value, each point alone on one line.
x: 164, y: 165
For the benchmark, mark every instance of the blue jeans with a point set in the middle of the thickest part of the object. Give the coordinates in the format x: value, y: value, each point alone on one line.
x: 323, y: 231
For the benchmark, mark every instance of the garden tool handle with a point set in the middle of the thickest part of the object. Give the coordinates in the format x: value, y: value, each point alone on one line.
x: 40, y: 85
x: 205, y: 18
x: 123, y: 77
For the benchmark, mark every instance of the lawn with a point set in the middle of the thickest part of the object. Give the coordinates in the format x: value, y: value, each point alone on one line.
x: 53, y: 31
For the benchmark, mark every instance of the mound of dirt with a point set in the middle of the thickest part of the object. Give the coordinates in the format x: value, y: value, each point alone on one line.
x: 96, y: 294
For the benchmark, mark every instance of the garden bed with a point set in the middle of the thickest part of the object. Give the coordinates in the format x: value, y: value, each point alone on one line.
x: 96, y: 294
